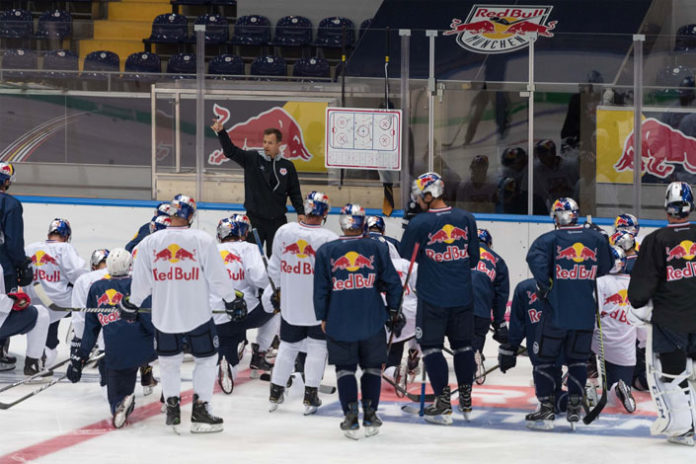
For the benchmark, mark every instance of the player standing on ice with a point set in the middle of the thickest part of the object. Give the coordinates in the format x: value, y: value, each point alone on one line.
x: 664, y: 274
x: 292, y: 268
x: 449, y: 249
x: 162, y: 210
x: 179, y: 266
x: 349, y: 275
x: 128, y: 337
x: 565, y: 263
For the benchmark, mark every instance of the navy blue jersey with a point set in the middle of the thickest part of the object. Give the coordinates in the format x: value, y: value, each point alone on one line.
x: 349, y: 274
x: 127, y: 344
x: 568, y: 260
x: 491, y: 285
x: 12, y: 227
x: 449, y: 249
x: 143, y: 232
x: 630, y: 262
x: 525, y: 314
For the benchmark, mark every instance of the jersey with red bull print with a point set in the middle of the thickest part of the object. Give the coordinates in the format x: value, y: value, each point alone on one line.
x: 491, y: 281
x: 244, y: 266
x: 79, y: 298
x: 292, y: 267
x: 665, y: 272
x: 56, y: 266
x: 619, y: 337
x: 127, y: 344
x: 525, y: 314
x: 179, y: 267
x: 449, y: 249
x: 349, y: 276
x: 267, y: 183
x: 568, y: 260
x: 143, y: 232
x: 410, y: 303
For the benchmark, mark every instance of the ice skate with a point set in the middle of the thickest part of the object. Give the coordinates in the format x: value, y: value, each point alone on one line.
x: 202, y: 418
x: 31, y: 368
x: 173, y: 413
x: 7, y: 363
x: 465, y: 401
x: 573, y: 410
x: 276, y: 397
x: 412, y: 368
x: 543, y: 417
x: 258, y: 363
x: 225, y: 377
x: 686, y: 439
x: 123, y: 410
x: 147, y: 380
x: 311, y: 400
x: 440, y: 412
x: 591, y: 394
x: 623, y: 393
x: 350, y: 424
x: 480, y: 368
x: 371, y: 420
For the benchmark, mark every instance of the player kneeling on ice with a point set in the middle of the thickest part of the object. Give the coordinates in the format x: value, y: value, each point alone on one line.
x: 349, y: 275
x: 128, y: 337
x: 244, y: 266
x: 180, y: 267
x: 664, y: 274
x: 565, y: 263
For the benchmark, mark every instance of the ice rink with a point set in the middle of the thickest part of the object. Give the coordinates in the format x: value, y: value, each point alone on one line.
x: 71, y: 424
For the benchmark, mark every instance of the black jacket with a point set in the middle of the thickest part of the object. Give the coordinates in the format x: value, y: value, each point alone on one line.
x: 267, y: 183
x: 12, y: 226
x: 666, y: 273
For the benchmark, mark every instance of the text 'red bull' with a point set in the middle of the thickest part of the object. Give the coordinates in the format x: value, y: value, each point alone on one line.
x: 46, y: 276
x: 452, y: 253
x: 481, y: 267
x: 107, y: 318
x: 686, y: 272
x: 618, y: 315
x: 577, y: 272
x: 304, y: 268
x: 176, y: 273
x: 534, y: 315
x: 354, y: 282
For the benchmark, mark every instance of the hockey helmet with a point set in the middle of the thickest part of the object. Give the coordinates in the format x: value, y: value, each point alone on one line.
x: 317, y: 204
x: 163, y: 209
x: 514, y: 155
x: 376, y: 222
x: 119, y: 262
x: 159, y: 223
x: 183, y: 206
x: 627, y: 222
x: 623, y: 239
x: 485, y: 237
x: 679, y: 199
x: 352, y: 217
x: 619, y: 257
x: 237, y: 225
x: 7, y: 172
x: 60, y: 227
x: 430, y: 182
x: 564, y: 211
x: 98, y: 257
x: 545, y: 147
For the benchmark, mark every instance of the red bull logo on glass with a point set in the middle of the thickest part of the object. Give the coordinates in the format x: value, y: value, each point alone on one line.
x: 501, y: 29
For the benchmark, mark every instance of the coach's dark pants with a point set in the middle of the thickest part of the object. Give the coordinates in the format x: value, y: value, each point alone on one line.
x: 266, y: 229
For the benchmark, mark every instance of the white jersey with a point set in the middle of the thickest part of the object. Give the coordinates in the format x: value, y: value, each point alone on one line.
x: 180, y: 267
x: 292, y: 269
x: 618, y: 335
x: 56, y: 265
x: 410, y: 303
x: 79, y: 298
x: 245, y: 267
x: 5, y: 302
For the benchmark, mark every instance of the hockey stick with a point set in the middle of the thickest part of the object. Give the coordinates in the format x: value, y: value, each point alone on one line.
x: 416, y: 247
x: 325, y: 389
x: 263, y: 257
x: 594, y: 413
x: 34, y: 377
x: 4, y: 406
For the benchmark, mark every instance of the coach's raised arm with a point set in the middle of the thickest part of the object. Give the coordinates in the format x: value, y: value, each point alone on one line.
x: 269, y: 180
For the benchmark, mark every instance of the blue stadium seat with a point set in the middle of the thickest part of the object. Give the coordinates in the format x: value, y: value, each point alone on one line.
x: 293, y: 31
x: 99, y: 62
x: 182, y: 64
x: 56, y: 24
x: 364, y: 26
x: 686, y: 38
x: 142, y: 62
x: 227, y: 65
x: 16, y: 24
x: 167, y: 28
x: 330, y: 32
x: 251, y: 30
x: 311, y: 67
x: 269, y: 66
x: 216, y: 28
x: 56, y: 62
x: 18, y: 59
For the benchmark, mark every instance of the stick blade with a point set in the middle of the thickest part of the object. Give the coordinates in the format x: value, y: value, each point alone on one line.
x: 594, y: 413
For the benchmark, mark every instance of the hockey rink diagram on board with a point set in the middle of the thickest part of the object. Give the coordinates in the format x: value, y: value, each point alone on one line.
x: 363, y: 139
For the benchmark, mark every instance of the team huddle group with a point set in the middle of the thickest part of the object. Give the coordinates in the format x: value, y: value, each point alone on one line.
x: 360, y: 299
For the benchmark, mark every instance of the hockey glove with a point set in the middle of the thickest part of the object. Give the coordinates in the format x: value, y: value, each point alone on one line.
x: 75, y: 347
x: 127, y: 310
x: 74, y: 372
x: 275, y: 301
x: 500, y: 333
x: 507, y: 357
x: 237, y: 308
x: 25, y: 273
x: 21, y: 300
x: 396, y: 321
x: 640, y: 317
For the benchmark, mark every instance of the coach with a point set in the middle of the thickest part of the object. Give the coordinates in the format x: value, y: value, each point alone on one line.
x: 268, y: 182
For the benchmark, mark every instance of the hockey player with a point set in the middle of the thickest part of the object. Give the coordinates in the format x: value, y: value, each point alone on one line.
x: 349, y: 274
x: 618, y: 336
x: 664, y: 275
x: 565, y: 263
x: 449, y: 249
x: 627, y: 222
x: 245, y: 268
x: 57, y: 267
x: 146, y: 229
x: 491, y: 285
x: 178, y: 266
x: 377, y: 224
x: 627, y: 242
x: 17, y: 317
x: 128, y: 338
x: 292, y: 268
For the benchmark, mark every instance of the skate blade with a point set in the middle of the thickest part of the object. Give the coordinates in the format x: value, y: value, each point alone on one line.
x: 573, y: 426
x: 630, y: 406
x: 371, y: 431
x: 309, y: 410
x: 685, y: 440
x: 147, y: 390
x: 273, y: 406
x: 201, y: 427
x: 466, y: 414
x: 440, y: 419
x: 353, y: 434
x: 540, y: 425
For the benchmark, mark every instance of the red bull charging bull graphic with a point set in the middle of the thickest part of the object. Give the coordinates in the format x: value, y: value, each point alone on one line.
x: 49, y: 274
x: 615, y: 306
x: 353, y: 262
x: 487, y: 263
x: 448, y: 234
x: 534, y: 315
x: 682, y: 253
x: 302, y: 264
x: 232, y: 261
x: 109, y: 298
x: 172, y: 257
x: 500, y: 28
x: 580, y: 255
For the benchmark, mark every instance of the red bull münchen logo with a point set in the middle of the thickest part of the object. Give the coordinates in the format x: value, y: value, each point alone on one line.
x: 501, y: 29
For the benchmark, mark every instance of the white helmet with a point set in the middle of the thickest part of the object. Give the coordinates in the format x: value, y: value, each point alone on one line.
x: 119, y: 262
x: 430, y: 182
x: 564, y: 211
x: 679, y: 199
x: 619, y: 260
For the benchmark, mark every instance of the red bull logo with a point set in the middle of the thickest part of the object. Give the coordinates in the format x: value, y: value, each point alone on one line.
x: 174, y: 253
x: 110, y: 297
x: 302, y: 250
x: 486, y: 263
x: 108, y: 318
x: 662, y: 148
x: 685, y: 250
x: 534, y: 315
x: 501, y: 29
x: 576, y: 252
x: 533, y: 297
x: 448, y: 234
x: 352, y: 262
x: 229, y: 257
x: 233, y: 264
x: 620, y: 298
x: 485, y: 255
x: 41, y: 258
x: 248, y: 135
